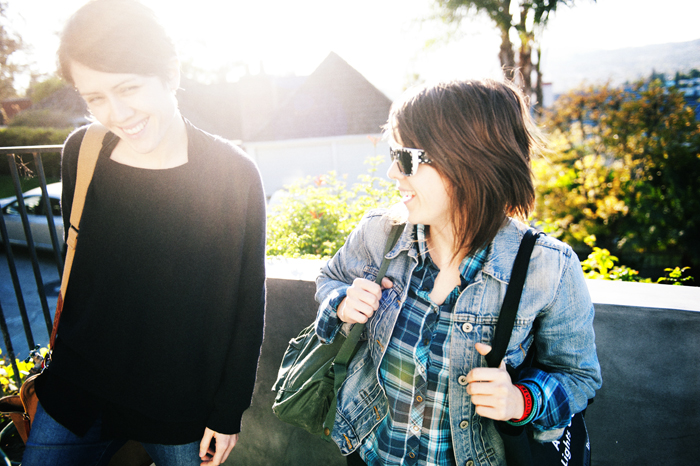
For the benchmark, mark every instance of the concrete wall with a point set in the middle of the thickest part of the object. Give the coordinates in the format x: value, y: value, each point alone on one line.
x: 648, y: 411
x: 648, y: 339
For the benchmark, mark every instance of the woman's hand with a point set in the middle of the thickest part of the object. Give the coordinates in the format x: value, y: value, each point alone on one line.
x: 214, y: 454
x: 362, y: 300
x: 492, y: 391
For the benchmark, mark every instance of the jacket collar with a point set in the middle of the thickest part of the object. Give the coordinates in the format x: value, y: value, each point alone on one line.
x: 405, y: 243
x: 501, y: 255
x: 504, y: 248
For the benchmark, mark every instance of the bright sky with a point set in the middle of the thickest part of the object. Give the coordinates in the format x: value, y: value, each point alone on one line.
x: 383, y: 39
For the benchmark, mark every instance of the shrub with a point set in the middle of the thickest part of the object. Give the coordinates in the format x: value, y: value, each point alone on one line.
x: 23, y: 136
x: 677, y: 276
x: 625, y: 167
x: 31, y: 365
x: 317, y: 214
x: 602, y: 265
x: 42, y: 118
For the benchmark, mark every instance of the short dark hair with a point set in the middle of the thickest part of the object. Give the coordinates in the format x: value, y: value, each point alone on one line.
x: 116, y: 36
x: 480, y: 138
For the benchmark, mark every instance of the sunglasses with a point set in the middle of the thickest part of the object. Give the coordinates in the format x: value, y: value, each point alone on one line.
x: 408, y: 159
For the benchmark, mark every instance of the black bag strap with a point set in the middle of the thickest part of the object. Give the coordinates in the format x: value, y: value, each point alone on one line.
x: 509, y: 309
x: 352, y: 342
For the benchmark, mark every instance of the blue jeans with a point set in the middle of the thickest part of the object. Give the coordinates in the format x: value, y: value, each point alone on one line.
x: 51, y: 444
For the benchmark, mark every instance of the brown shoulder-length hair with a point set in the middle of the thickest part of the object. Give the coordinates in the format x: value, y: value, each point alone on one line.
x: 480, y: 138
x: 116, y: 36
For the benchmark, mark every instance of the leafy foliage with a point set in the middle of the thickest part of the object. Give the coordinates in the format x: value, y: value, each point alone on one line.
x: 40, y: 90
x: 317, y: 214
x: 24, y: 136
x: 9, y: 44
x: 602, y: 265
x: 42, y: 118
x: 527, y: 19
x: 676, y: 276
x: 625, y: 166
x: 26, y: 368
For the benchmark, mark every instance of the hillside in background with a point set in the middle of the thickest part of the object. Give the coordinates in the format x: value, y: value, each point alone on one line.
x: 618, y: 66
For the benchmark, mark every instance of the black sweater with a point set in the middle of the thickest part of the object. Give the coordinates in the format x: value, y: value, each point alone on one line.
x: 163, y: 316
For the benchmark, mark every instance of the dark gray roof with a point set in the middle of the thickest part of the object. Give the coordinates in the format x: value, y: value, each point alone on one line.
x: 335, y: 100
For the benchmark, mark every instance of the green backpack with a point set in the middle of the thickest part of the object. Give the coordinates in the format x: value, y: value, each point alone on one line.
x: 311, y: 372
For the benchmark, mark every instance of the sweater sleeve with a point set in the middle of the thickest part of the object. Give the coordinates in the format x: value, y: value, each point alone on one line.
x: 238, y: 381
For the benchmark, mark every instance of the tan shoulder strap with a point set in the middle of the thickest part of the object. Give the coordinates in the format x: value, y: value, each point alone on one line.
x: 87, y: 159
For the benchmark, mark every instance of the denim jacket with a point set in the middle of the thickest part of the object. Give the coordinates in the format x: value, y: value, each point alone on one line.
x: 554, y: 293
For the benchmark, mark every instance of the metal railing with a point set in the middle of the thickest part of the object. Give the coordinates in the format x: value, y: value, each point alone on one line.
x: 13, y: 155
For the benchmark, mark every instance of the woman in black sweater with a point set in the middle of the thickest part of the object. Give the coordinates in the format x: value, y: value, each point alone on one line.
x: 163, y: 316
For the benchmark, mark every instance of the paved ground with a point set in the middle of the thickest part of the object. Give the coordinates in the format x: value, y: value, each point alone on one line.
x: 28, y: 285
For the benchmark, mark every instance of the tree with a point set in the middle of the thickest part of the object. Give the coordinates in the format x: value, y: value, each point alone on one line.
x: 625, y: 167
x: 527, y: 18
x: 9, y: 44
x: 39, y: 90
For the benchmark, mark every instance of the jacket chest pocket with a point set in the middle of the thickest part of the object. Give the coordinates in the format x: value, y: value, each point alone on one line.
x: 476, y: 318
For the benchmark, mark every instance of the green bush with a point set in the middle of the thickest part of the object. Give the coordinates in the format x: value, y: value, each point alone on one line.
x: 42, y: 118
x: 676, y: 276
x: 24, y: 136
x: 8, y: 381
x: 316, y: 215
x: 625, y: 167
x: 601, y: 265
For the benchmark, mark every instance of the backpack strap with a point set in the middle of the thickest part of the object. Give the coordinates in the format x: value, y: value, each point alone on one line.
x: 509, y: 309
x: 87, y: 159
x: 352, y: 342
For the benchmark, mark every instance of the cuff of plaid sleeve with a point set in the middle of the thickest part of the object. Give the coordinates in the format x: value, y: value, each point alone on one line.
x: 335, y: 302
x: 530, y: 407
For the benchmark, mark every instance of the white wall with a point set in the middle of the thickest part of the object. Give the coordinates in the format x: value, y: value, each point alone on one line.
x: 283, y: 162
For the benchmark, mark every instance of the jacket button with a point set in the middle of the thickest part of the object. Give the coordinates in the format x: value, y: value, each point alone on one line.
x: 411, y: 455
x: 470, y: 463
x: 462, y: 380
x: 463, y: 425
x: 467, y: 327
x: 326, y: 431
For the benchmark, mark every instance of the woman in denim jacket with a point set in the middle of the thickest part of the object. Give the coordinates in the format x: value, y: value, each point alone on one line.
x: 418, y: 392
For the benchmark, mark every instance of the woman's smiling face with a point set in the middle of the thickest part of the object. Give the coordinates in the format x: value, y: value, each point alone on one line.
x: 140, y: 110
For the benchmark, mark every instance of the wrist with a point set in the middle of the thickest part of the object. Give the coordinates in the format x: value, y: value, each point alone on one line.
x: 338, y: 310
x: 529, y: 406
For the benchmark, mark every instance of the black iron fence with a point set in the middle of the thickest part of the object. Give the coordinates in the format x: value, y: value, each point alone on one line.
x: 18, y: 167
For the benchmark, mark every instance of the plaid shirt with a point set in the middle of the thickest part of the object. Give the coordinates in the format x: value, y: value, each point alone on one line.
x: 415, y: 374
